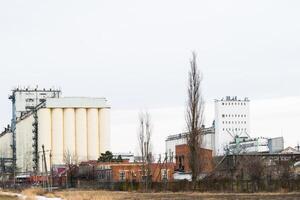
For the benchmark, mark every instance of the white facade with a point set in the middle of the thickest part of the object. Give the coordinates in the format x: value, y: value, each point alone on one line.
x: 81, y: 131
x: 26, y: 99
x: 231, y: 119
x: 5, y: 144
x: 249, y: 145
x: 24, y: 149
x: 172, y: 141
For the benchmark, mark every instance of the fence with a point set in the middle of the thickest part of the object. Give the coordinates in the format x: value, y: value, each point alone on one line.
x: 209, y: 185
x: 224, y: 185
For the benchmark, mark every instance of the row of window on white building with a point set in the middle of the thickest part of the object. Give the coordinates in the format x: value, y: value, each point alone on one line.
x: 234, y: 129
x: 233, y: 115
x: 234, y: 122
x: 236, y: 104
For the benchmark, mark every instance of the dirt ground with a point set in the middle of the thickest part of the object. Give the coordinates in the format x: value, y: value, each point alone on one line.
x: 107, y: 195
x: 5, y: 197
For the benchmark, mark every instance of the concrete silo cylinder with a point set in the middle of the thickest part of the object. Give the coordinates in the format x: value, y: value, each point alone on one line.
x: 93, y: 134
x: 69, y: 131
x: 44, y: 130
x: 81, y: 134
x: 104, y: 129
x: 57, y: 136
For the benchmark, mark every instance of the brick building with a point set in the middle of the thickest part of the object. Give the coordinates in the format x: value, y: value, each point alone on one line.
x: 182, y: 159
x: 125, y: 171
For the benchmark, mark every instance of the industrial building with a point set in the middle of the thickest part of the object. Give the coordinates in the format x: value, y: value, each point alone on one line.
x: 26, y: 99
x: 69, y: 128
x: 242, y: 145
x: 183, y: 169
x: 230, y: 132
x: 232, y: 118
x: 125, y: 171
x: 276, y: 145
x: 179, y: 139
x: 5, y: 142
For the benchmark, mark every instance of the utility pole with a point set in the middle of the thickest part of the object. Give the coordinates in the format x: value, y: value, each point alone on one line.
x: 171, y: 157
x: 51, y: 171
x: 298, y: 147
x: 158, y: 166
x: 164, y: 167
x: 45, y: 163
x: 42, y: 173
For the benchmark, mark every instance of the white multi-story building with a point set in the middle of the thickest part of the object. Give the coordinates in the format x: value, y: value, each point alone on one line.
x: 231, y: 120
x: 26, y: 99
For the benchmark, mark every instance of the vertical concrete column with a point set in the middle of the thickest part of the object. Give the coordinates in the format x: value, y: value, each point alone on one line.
x: 81, y: 133
x: 44, y: 133
x: 93, y: 133
x: 69, y: 131
x: 104, y: 129
x: 57, y: 136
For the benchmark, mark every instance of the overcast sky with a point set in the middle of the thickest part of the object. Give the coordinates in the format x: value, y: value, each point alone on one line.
x: 136, y: 53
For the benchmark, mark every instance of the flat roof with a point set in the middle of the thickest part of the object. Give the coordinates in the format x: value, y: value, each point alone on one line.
x: 233, y: 98
x: 76, y: 102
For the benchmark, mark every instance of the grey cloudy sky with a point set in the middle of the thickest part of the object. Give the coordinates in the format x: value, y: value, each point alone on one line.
x: 136, y: 53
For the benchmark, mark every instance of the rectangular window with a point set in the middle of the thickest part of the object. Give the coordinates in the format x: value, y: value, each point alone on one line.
x: 122, y: 176
x: 29, y: 100
x: 164, y: 174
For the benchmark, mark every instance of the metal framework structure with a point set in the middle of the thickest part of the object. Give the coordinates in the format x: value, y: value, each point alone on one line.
x: 35, y: 152
x: 13, y: 130
x: 229, y: 162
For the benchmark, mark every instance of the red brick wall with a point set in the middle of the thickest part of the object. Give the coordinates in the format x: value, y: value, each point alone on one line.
x: 182, y: 159
x: 133, y: 171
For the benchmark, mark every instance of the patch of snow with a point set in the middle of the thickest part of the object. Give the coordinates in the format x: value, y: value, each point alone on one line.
x: 46, y: 198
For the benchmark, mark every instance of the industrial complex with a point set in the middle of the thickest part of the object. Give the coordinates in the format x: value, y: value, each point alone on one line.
x: 230, y: 132
x: 59, y: 137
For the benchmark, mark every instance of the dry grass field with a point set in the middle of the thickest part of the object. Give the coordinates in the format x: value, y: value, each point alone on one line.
x: 5, y: 197
x: 107, y: 195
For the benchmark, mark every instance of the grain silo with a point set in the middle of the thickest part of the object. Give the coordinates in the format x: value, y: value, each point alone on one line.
x: 5, y: 143
x: 77, y: 127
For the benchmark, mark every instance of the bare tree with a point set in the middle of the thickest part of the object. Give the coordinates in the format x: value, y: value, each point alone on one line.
x: 252, y: 168
x: 69, y: 158
x: 194, y: 117
x: 71, y: 161
x: 144, y: 140
x: 284, y: 174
